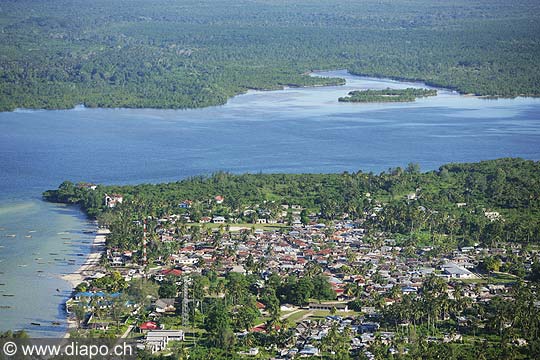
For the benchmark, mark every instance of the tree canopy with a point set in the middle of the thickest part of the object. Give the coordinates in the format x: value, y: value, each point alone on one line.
x: 164, y: 54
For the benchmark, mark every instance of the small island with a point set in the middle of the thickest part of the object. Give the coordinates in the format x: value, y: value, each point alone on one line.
x: 387, y: 95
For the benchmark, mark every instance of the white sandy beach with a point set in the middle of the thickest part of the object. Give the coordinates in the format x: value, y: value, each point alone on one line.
x: 92, y: 261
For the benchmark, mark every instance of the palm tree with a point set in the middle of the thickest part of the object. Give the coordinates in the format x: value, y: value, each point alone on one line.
x: 79, y: 310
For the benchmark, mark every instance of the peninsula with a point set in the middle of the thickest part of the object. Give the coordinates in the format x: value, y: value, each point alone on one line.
x: 356, y: 264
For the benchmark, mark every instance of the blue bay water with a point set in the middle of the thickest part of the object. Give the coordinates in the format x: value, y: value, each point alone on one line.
x: 294, y: 130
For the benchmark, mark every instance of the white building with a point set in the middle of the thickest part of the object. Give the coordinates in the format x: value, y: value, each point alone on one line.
x: 457, y: 272
x: 157, y: 340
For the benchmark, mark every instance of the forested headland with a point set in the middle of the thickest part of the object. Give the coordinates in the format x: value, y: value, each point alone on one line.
x: 449, y: 207
x: 168, y: 54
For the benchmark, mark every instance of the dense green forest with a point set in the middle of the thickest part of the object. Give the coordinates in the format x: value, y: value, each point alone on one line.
x: 387, y: 95
x: 170, y: 54
x: 508, y: 186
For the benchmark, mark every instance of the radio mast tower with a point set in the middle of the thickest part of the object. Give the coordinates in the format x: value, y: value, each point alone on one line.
x: 144, y: 258
x: 185, y: 302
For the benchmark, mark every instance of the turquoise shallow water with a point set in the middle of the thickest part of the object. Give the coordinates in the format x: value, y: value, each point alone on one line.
x: 46, y: 237
x: 295, y: 130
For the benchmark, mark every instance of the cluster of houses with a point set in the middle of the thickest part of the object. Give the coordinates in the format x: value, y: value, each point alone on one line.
x: 358, y: 268
x: 309, y: 333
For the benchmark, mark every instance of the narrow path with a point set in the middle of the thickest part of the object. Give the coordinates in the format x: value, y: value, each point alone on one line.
x: 290, y: 314
x: 125, y: 335
x: 282, y: 317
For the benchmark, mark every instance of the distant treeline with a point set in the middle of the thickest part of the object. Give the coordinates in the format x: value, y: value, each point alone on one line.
x: 387, y: 95
x: 195, y: 53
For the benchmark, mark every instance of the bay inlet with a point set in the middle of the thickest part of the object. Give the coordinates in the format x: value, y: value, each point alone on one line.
x: 293, y: 130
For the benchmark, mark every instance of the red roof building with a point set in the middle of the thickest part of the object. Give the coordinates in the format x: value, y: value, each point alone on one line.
x: 172, y: 272
x: 149, y: 325
x: 260, y: 305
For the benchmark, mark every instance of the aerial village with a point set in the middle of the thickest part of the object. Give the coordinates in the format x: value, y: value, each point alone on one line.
x: 369, y: 277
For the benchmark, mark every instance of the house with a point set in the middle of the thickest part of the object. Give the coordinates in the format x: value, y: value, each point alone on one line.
x: 457, y: 272
x: 250, y: 352
x: 492, y: 215
x: 148, y: 325
x: 165, y: 305
x: 369, y: 310
x: 87, y: 186
x: 218, y: 220
x: 287, y: 307
x: 157, y: 340
x: 368, y: 327
x: 168, y: 272
x: 219, y: 199
x: 238, y: 269
x: 113, y: 200
x: 329, y: 306
x: 185, y: 204
x: 98, y: 324
x: 87, y: 295
x: 409, y: 290
x: 117, y: 261
x: 309, y: 350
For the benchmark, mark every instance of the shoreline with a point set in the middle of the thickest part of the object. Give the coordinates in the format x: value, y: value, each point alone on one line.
x: 315, y: 73
x: 92, y: 261
x: 88, y: 268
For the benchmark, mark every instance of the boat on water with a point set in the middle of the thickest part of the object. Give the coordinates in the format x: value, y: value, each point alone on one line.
x: 31, y: 231
x: 28, y: 236
x: 11, y: 235
x: 35, y: 323
x: 56, y: 323
x: 53, y: 253
x: 22, y: 265
x: 8, y: 295
x: 5, y: 307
